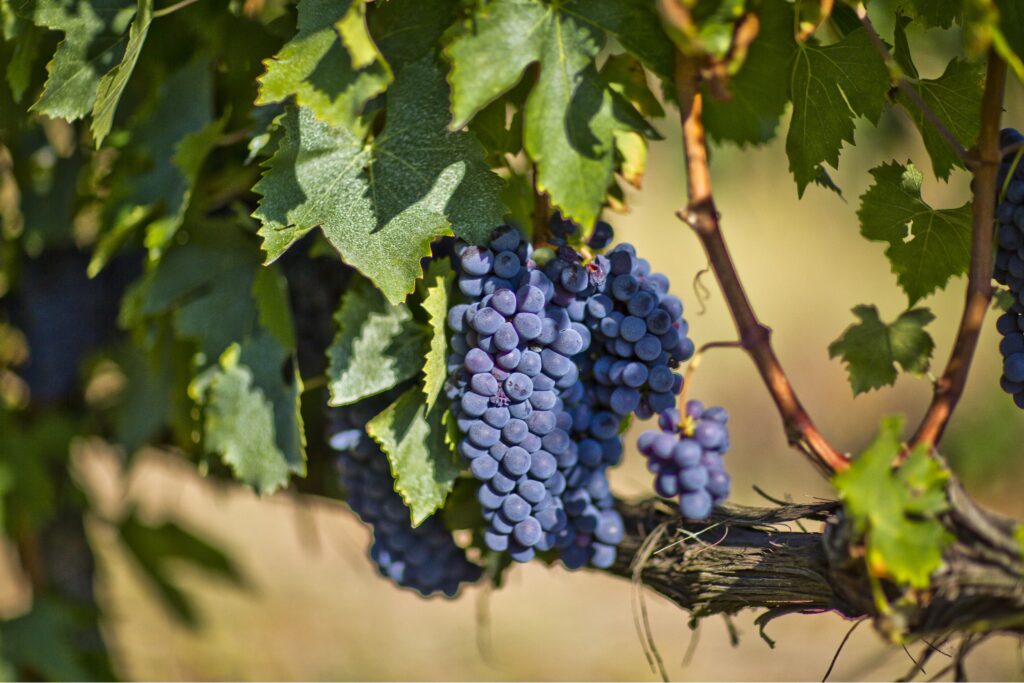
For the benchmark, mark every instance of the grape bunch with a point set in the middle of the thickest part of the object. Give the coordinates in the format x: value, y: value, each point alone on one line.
x: 511, y: 357
x: 686, y: 458
x: 425, y: 558
x: 1009, y: 270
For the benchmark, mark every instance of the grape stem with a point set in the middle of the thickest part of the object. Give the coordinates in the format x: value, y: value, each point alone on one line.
x: 755, y: 337
x: 691, y: 368
x: 950, y: 386
x: 908, y: 90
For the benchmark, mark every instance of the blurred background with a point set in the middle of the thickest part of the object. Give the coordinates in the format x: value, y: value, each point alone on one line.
x: 311, y: 606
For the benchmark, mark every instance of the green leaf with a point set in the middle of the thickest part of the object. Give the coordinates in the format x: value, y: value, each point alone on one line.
x: 626, y: 76
x: 759, y: 92
x: 92, y: 45
x: 331, y: 66
x: 241, y: 423
x: 955, y: 97
x: 423, y: 466
x: 381, y: 204
x: 207, y: 286
x: 378, y: 345
x: 571, y: 114
x: 48, y: 641
x: 112, y: 85
x: 938, y: 13
x: 159, y: 549
x: 1018, y: 535
x: 174, y: 138
x: 270, y: 292
x: 895, y: 510
x: 871, y: 349
x: 436, y: 302
x: 26, y: 50
x: 901, y: 51
x: 926, y: 246
x: 1011, y: 28
x: 830, y: 87
x: 408, y: 30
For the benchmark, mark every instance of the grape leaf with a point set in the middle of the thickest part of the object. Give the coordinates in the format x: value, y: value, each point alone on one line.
x: 901, y: 49
x: 423, y: 466
x: 331, y: 66
x: 1009, y: 38
x: 26, y: 50
x: 571, y: 114
x: 938, y: 13
x: 207, y: 286
x: 174, y: 140
x: 926, y: 246
x: 381, y: 204
x: 830, y: 87
x: 871, y: 349
x: 93, y: 33
x: 408, y: 30
x: 760, y: 89
x: 378, y: 345
x: 112, y: 85
x: 241, y: 423
x: 955, y: 97
x: 48, y: 640
x: 895, y: 510
x: 270, y: 292
x: 435, y: 303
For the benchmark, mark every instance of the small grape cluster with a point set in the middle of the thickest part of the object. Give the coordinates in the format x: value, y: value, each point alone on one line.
x: 686, y: 457
x: 425, y: 558
x: 1009, y: 269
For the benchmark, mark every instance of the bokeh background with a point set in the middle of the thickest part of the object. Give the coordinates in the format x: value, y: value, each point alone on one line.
x: 313, y: 608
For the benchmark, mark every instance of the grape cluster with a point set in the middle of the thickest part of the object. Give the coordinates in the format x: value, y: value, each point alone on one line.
x: 1009, y: 270
x: 686, y: 458
x: 511, y: 358
x: 424, y: 558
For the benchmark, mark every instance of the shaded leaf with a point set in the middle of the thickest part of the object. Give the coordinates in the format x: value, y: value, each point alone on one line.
x: 926, y: 246
x: 378, y: 345
x: 955, y: 97
x: 759, y: 91
x: 240, y: 424
x: 422, y: 465
x: 830, y: 87
x: 938, y: 13
x: 871, y: 349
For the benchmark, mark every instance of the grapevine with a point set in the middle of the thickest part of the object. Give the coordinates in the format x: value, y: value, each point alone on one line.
x: 362, y: 252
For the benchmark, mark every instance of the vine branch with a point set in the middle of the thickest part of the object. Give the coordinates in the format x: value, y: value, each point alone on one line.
x: 755, y: 337
x: 950, y: 386
x: 750, y: 558
x: 908, y: 89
